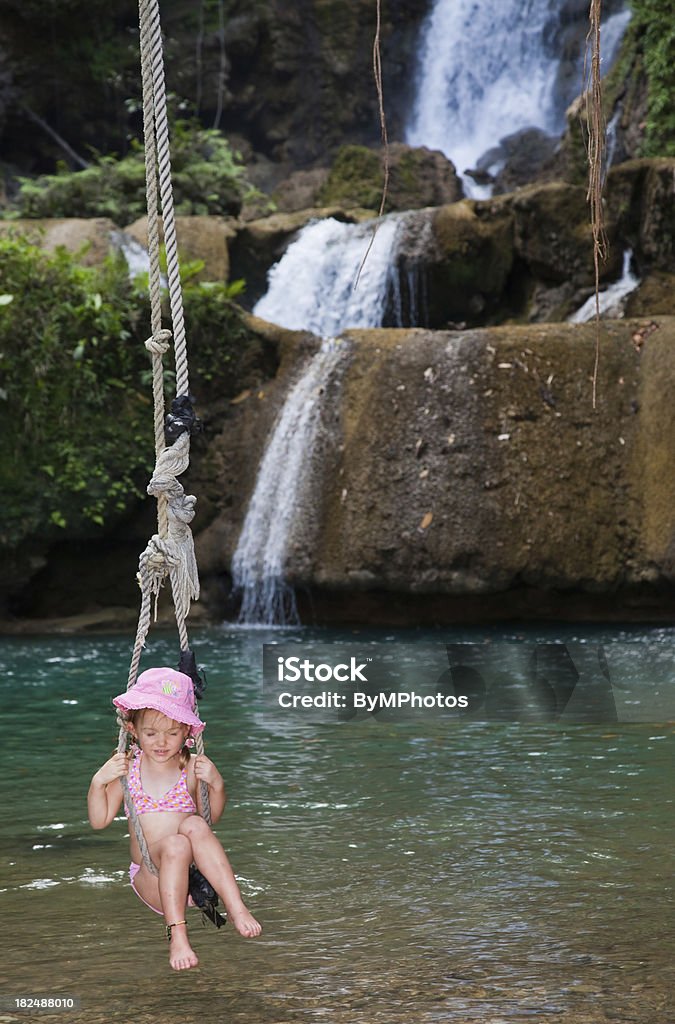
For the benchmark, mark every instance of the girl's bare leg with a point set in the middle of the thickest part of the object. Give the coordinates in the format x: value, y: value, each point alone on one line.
x: 173, y: 856
x: 212, y: 861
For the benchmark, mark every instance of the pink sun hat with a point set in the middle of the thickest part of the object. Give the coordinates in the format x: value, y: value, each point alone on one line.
x: 164, y: 690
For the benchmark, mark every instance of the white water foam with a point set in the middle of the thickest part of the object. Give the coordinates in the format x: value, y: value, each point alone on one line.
x: 612, y: 300
x: 313, y: 288
x: 136, y: 255
x: 281, y: 497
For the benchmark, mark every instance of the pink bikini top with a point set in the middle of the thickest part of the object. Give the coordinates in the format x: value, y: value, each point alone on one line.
x: 175, y: 799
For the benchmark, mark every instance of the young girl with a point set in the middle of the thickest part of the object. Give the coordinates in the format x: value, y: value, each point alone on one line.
x: 163, y: 780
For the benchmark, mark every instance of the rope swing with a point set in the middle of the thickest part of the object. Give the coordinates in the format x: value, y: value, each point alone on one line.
x: 170, y: 552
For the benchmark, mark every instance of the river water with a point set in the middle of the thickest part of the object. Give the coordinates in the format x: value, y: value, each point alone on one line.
x: 485, y: 872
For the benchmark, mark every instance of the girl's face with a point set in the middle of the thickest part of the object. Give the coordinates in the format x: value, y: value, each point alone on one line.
x: 158, y: 736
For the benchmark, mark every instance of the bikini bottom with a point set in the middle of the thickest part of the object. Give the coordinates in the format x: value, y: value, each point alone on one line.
x: 133, y: 871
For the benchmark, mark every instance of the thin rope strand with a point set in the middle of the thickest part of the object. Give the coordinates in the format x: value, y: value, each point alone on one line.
x: 596, y: 152
x: 377, y: 74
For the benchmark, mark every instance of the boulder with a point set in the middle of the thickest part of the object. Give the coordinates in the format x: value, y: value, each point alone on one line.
x: 657, y: 225
x: 300, y: 190
x: 300, y: 78
x: 552, y: 233
x: 468, y: 266
x: 467, y: 475
x: 418, y: 177
x: 90, y: 237
x: 517, y: 160
x: 655, y: 296
x: 199, y: 238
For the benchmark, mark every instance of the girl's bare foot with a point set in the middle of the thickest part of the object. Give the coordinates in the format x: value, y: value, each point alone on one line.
x: 245, y: 923
x: 181, y: 954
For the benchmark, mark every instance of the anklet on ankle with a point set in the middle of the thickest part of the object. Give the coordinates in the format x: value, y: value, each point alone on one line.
x: 170, y: 926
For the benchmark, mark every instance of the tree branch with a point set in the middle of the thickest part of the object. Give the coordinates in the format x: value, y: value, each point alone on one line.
x: 67, y: 149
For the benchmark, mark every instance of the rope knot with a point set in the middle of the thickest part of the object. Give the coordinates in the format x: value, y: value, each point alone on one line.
x: 158, y: 344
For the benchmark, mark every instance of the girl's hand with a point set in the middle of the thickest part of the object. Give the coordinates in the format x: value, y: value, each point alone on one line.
x: 206, y: 771
x: 117, y: 766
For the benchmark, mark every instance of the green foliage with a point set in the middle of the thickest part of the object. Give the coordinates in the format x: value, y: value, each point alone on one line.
x: 81, y: 432
x: 207, y: 179
x: 655, y: 27
x: 75, y: 384
x: 224, y: 352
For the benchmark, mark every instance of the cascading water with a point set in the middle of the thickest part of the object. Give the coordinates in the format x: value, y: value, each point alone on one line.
x: 487, y: 70
x: 281, y: 496
x: 313, y: 287
x: 136, y: 255
x: 612, y: 300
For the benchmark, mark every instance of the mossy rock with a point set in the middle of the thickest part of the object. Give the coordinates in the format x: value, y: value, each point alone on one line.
x: 552, y: 231
x: 418, y: 177
x: 473, y: 259
x: 355, y: 179
x: 640, y: 209
x: 654, y: 297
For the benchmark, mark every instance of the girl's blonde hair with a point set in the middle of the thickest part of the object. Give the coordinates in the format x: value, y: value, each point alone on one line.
x: 134, y: 718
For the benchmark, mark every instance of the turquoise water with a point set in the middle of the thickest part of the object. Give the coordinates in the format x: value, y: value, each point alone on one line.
x: 486, y: 873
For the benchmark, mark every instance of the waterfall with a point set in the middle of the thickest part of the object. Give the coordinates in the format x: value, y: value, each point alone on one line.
x: 612, y: 299
x: 136, y: 255
x: 489, y: 69
x: 282, y: 496
x: 312, y: 287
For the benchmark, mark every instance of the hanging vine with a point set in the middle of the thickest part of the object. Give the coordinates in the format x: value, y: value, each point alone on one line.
x: 595, y: 140
x: 377, y: 74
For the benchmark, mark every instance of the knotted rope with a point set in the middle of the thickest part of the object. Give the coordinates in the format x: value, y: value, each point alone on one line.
x: 170, y: 552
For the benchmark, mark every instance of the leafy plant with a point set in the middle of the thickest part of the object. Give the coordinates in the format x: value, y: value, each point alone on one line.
x: 208, y: 178
x: 655, y: 29
x: 70, y: 358
x: 75, y: 385
x: 224, y: 352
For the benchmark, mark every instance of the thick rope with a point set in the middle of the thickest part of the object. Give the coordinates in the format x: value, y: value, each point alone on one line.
x: 166, y: 193
x: 157, y: 345
x: 170, y: 552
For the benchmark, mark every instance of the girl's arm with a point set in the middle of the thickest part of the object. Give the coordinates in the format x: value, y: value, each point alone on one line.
x: 105, y: 791
x: 206, y: 771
